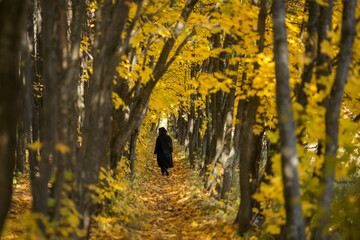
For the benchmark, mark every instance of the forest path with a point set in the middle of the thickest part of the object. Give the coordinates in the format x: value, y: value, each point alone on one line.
x: 175, y: 208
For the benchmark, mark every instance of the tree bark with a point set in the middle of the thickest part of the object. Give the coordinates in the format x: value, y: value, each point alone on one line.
x: 133, y: 141
x: 11, y: 25
x: 111, y: 22
x: 294, y: 228
x: 228, y: 155
x: 234, y: 153
x: 20, y: 166
x: 68, y: 112
x: 310, y: 47
x: 323, y: 60
x: 249, y: 142
x: 54, y: 47
x: 247, y: 156
x: 192, y: 133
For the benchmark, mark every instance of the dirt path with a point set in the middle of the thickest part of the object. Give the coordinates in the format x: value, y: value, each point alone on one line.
x: 176, y: 210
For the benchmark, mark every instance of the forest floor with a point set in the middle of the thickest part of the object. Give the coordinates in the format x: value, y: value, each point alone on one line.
x: 178, y: 210
x: 19, y: 210
x: 171, y: 207
x: 151, y: 207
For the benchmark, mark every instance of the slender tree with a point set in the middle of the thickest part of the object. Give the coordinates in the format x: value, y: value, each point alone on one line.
x: 294, y: 228
x: 11, y: 24
x: 333, y: 107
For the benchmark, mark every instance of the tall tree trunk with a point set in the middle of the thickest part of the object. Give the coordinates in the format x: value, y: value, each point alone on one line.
x: 233, y: 155
x: 28, y: 51
x: 247, y: 157
x: 228, y: 155
x: 218, y: 103
x: 294, y: 228
x: 35, y: 91
x: 249, y: 142
x: 20, y: 166
x: 323, y: 60
x: 333, y: 104
x: 51, y: 13
x: 310, y: 46
x: 11, y: 24
x: 133, y: 141
x: 68, y: 114
x: 192, y: 133
x: 207, y: 138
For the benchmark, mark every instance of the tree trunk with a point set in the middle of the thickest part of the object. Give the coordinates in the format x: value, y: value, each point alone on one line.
x: 11, y: 24
x: 192, y: 133
x: 310, y: 39
x: 294, y: 228
x: 247, y: 159
x: 68, y: 113
x: 35, y: 91
x: 98, y: 106
x: 51, y: 14
x: 323, y: 60
x: 207, y: 138
x: 29, y: 77
x: 20, y: 166
x: 230, y: 164
x: 133, y: 141
x: 228, y: 155
x: 333, y: 104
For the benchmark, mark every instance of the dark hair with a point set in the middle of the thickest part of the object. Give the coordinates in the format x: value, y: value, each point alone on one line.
x: 162, y: 131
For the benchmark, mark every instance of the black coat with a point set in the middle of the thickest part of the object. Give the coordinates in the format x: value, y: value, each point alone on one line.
x: 163, y: 149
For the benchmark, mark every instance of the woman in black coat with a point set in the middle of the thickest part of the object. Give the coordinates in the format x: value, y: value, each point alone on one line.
x: 164, y: 150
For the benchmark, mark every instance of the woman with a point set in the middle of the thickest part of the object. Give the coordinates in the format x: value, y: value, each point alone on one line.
x: 163, y: 149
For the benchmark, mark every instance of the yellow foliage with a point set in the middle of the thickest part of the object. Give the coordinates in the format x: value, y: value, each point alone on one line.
x: 62, y: 148
x: 35, y: 146
x: 117, y: 101
x: 326, y: 48
x: 322, y: 2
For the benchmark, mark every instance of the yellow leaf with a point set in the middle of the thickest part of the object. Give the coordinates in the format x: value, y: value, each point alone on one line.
x: 118, y: 102
x: 194, y: 224
x: 62, y: 148
x: 273, y: 229
x: 228, y: 229
x: 322, y: 3
x: 35, y: 146
x: 325, y: 47
x: 304, y: 59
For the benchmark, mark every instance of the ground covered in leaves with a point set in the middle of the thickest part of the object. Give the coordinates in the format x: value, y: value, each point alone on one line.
x: 19, y: 213
x: 145, y: 206
x: 168, y: 207
x: 176, y: 210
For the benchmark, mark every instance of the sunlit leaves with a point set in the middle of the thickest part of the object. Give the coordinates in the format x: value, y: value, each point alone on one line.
x: 35, y: 145
x: 117, y: 101
x: 322, y: 2
x: 62, y: 148
x: 326, y: 47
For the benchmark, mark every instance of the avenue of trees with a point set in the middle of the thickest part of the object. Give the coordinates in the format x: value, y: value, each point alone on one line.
x: 261, y: 94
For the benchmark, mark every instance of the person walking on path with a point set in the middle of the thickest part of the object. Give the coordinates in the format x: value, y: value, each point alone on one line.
x: 164, y: 150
